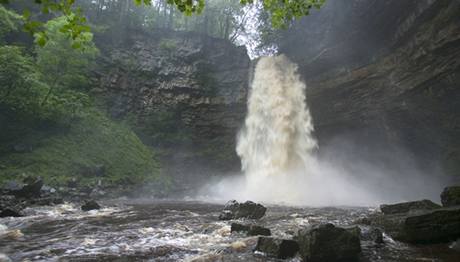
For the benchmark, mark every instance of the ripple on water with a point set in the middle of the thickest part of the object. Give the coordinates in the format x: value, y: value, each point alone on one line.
x: 163, y: 231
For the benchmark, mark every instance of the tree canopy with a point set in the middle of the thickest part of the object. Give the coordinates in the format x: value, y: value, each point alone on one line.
x: 281, y: 13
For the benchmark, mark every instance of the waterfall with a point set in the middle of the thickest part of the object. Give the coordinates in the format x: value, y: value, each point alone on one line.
x: 276, y: 139
x: 276, y: 147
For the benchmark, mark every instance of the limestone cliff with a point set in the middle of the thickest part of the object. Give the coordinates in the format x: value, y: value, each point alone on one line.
x: 184, y: 93
x: 384, y: 73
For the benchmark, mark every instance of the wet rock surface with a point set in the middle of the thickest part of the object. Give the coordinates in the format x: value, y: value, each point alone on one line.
x: 248, y: 209
x: 31, y: 187
x: 327, y: 242
x: 197, y: 83
x: 90, y: 205
x: 250, y: 230
x: 420, y: 222
x: 433, y: 227
x: 400, y: 88
x: 137, y: 230
x: 278, y: 248
x: 451, y: 196
x: 409, y: 206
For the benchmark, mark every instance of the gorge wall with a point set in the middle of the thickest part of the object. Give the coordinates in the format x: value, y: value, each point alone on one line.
x: 384, y: 74
x: 381, y: 76
x: 184, y: 93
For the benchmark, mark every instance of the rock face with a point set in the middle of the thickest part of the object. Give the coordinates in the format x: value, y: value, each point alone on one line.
x: 451, y: 196
x: 275, y: 247
x: 327, y: 243
x: 248, y: 209
x: 434, y: 227
x: 383, y: 73
x: 408, y: 206
x: 251, y: 230
x: 181, y: 91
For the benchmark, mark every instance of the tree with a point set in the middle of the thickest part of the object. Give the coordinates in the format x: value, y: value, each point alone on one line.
x: 281, y: 12
x: 63, y: 63
x: 9, y: 22
x: 22, y: 91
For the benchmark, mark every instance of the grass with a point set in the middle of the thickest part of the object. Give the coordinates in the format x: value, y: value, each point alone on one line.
x: 90, y: 141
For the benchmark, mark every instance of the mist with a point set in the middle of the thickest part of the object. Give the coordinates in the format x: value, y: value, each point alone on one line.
x: 282, y: 164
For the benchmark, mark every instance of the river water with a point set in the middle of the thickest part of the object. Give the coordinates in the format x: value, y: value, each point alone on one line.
x: 152, y: 230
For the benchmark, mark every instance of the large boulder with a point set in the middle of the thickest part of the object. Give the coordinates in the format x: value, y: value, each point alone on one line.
x: 10, y: 212
x: 327, y: 243
x: 248, y: 209
x: 434, y: 227
x: 275, y: 247
x: 450, y: 196
x: 251, y: 230
x: 406, y: 207
x: 90, y: 205
x: 30, y: 188
x: 10, y: 206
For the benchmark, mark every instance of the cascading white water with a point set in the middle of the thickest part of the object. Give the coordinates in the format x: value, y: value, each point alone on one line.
x: 277, y: 135
x: 276, y: 149
x: 276, y: 139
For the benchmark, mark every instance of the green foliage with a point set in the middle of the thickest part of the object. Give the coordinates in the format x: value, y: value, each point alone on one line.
x: 75, y: 23
x: 92, y: 140
x: 63, y: 62
x: 22, y: 90
x: 9, y: 22
x: 281, y: 12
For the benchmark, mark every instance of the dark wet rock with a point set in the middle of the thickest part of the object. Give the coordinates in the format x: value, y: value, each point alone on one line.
x: 10, y: 212
x: 327, y: 242
x: 356, y: 231
x: 275, y: 247
x: 376, y: 235
x: 408, y: 207
x: 10, y: 206
x: 251, y: 230
x: 90, y: 205
x: 31, y: 187
x: 372, y: 234
x: 450, y: 196
x: 235, y: 227
x: 248, y: 209
x: 434, y: 227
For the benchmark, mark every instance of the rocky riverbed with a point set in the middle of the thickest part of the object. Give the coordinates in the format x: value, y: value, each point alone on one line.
x: 180, y: 230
